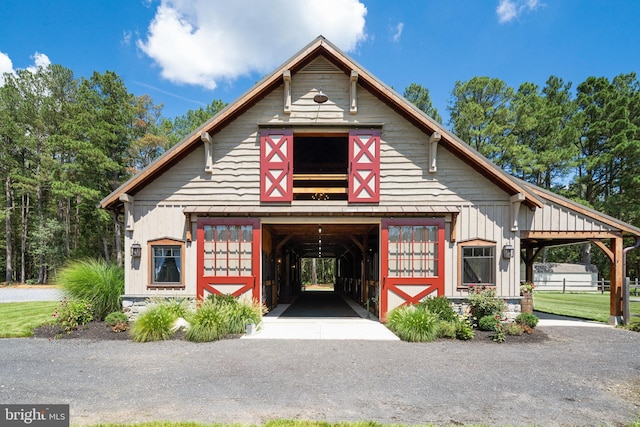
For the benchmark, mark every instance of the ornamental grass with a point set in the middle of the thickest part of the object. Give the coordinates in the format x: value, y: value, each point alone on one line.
x: 413, y: 323
x: 95, y: 281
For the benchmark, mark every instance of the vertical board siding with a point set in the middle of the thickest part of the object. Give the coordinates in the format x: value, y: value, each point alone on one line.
x: 554, y: 217
x: 483, y: 221
x: 156, y: 222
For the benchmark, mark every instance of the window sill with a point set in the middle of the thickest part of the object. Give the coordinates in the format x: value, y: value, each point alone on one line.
x: 175, y: 286
x: 468, y: 288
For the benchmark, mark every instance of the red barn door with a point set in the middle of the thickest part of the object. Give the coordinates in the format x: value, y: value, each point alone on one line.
x: 228, y: 257
x: 364, y: 166
x: 412, y: 262
x: 276, y: 166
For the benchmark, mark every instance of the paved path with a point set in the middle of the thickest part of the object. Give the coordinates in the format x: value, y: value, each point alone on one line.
x: 345, y: 326
x: 35, y: 293
x: 546, y: 320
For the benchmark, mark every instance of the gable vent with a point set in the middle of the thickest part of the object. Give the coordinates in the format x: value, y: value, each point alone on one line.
x: 320, y: 65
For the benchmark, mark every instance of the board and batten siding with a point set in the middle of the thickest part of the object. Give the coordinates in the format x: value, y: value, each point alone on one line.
x: 488, y: 222
x: 153, y: 222
x: 554, y: 217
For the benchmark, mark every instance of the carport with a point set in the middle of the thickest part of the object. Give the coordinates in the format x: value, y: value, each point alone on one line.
x: 563, y: 222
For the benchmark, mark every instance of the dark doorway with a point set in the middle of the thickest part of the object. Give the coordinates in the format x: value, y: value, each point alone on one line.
x: 320, y: 154
x: 320, y: 167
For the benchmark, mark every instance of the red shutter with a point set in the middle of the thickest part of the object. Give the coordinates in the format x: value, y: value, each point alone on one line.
x: 276, y: 166
x: 364, y: 166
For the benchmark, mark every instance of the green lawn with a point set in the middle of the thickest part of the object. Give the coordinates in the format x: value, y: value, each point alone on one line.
x: 18, y: 319
x: 592, y: 306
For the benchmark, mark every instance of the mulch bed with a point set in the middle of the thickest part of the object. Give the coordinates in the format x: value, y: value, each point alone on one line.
x: 100, y: 331
x: 535, y: 336
x: 92, y: 331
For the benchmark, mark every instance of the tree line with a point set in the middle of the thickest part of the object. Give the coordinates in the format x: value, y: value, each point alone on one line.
x: 67, y: 142
x: 583, y: 144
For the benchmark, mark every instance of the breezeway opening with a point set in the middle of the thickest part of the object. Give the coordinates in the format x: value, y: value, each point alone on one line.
x: 319, y: 264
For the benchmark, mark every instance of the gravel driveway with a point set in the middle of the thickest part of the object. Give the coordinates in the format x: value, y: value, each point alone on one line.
x: 580, y: 376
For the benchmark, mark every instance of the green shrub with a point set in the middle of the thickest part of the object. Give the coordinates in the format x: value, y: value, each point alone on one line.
x: 488, y: 323
x: 117, y: 321
x: 116, y: 317
x: 94, y: 281
x: 209, y: 322
x: 514, y: 329
x: 528, y: 319
x: 73, y: 313
x: 153, y: 324
x: 500, y: 334
x: 413, y: 323
x: 441, y: 307
x: 446, y: 329
x: 483, y: 302
x: 464, y: 329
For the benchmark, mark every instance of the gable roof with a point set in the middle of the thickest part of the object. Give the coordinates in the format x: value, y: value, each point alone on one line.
x: 321, y: 47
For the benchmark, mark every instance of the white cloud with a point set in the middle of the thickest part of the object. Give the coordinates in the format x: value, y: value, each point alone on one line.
x: 203, y: 42
x: 39, y: 60
x: 508, y: 10
x: 6, y: 66
x: 398, y: 33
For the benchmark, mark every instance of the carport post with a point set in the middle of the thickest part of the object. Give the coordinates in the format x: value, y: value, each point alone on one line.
x: 626, y: 309
x: 626, y: 294
x: 616, y: 282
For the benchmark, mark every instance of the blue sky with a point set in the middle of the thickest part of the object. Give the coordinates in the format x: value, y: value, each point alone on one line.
x: 185, y: 53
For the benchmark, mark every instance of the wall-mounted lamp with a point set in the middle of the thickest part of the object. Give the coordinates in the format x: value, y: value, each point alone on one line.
x: 136, y: 250
x: 508, y: 252
x: 320, y: 97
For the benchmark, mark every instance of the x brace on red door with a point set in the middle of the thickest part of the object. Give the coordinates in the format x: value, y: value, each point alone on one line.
x: 276, y: 174
x: 412, y: 299
x: 364, y: 166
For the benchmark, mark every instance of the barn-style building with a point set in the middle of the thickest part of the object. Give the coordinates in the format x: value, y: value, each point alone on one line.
x: 321, y: 159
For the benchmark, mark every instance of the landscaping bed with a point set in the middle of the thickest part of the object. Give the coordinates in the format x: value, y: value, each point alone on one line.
x: 100, y: 331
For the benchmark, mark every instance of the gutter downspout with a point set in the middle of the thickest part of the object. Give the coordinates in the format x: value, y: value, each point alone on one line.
x: 626, y: 310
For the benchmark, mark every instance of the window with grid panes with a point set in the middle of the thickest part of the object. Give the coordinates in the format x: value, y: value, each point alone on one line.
x: 413, y: 251
x: 227, y: 250
x: 478, y: 265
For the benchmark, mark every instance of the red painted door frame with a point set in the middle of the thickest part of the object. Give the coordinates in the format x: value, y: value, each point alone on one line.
x: 364, y: 166
x: 276, y: 165
x: 391, y: 284
x: 246, y: 283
